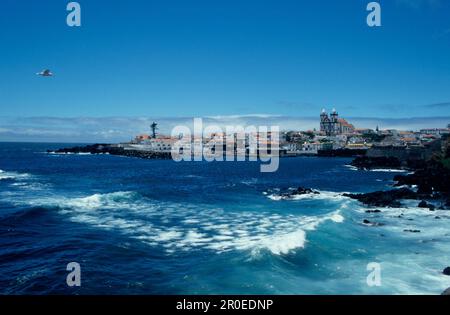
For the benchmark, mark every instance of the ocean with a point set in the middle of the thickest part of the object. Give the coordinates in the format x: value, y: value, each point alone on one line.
x: 140, y: 226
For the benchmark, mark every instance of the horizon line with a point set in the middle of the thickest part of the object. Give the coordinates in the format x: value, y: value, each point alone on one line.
x: 218, y: 117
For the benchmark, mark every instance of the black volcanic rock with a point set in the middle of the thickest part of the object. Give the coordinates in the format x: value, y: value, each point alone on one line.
x: 291, y: 193
x: 93, y: 149
x: 446, y: 292
x: 366, y: 162
x: 373, y: 211
x: 446, y: 271
x: 390, y: 198
x: 113, y: 150
x: 412, y: 231
x: 367, y: 222
x: 303, y: 191
x: 342, y: 152
x: 433, y: 179
x: 424, y: 204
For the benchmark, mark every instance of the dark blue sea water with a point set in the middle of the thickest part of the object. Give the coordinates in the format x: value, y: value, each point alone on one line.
x: 160, y: 227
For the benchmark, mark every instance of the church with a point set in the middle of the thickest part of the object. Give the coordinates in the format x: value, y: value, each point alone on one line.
x: 332, y: 125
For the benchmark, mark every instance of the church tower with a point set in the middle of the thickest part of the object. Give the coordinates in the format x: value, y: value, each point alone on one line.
x: 334, y: 116
x: 324, y: 121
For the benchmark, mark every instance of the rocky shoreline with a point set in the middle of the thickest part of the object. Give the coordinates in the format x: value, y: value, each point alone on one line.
x: 112, y: 150
x: 390, y: 198
x: 428, y: 183
x: 368, y: 163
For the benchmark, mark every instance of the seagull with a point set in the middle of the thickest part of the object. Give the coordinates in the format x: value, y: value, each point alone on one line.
x: 45, y: 73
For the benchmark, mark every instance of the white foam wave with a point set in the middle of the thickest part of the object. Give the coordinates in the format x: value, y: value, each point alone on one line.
x: 410, y: 221
x: 388, y: 170
x: 193, y: 176
x: 337, y: 218
x: 383, y: 170
x: 13, y: 175
x: 6, y: 176
x: 187, y: 227
x: 284, y: 243
x: 322, y: 195
x: 111, y: 200
x: 250, y: 182
x: 74, y: 153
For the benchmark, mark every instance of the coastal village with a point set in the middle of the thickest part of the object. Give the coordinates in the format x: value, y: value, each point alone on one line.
x: 336, y: 137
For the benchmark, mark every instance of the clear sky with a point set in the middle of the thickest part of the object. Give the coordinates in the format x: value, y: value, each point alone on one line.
x: 179, y: 58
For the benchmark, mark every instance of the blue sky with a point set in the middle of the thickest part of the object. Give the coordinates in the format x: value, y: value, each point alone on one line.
x: 184, y: 58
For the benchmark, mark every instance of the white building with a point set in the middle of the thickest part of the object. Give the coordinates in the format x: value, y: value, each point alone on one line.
x: 153, y: 145
x: 435, y: 131
x: 311, y: 147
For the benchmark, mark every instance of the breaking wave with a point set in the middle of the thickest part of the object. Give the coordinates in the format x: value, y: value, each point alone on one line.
x: 381, y: 170
x: 388, y: 170
x: 73, y: 153
x: 351, y: 167
x: 185, y: 227
x: 110, y: 201
x: 13, y: 175
x: 277, y: 195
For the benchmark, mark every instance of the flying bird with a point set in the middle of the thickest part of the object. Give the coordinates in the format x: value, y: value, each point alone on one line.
x: 45, y: 73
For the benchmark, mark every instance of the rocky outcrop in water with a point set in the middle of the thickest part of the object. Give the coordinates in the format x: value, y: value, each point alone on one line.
x: 370, y: 223
x: 373, y: 211
x: 434, y: 179
x: 365, y: 162
x: 390, y: 198
x: 304, y: 191
x: 424, y: 204
x: 291, y: 193
x: 112, y: 150
x: 430, y: 180
x: 91, y: 149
